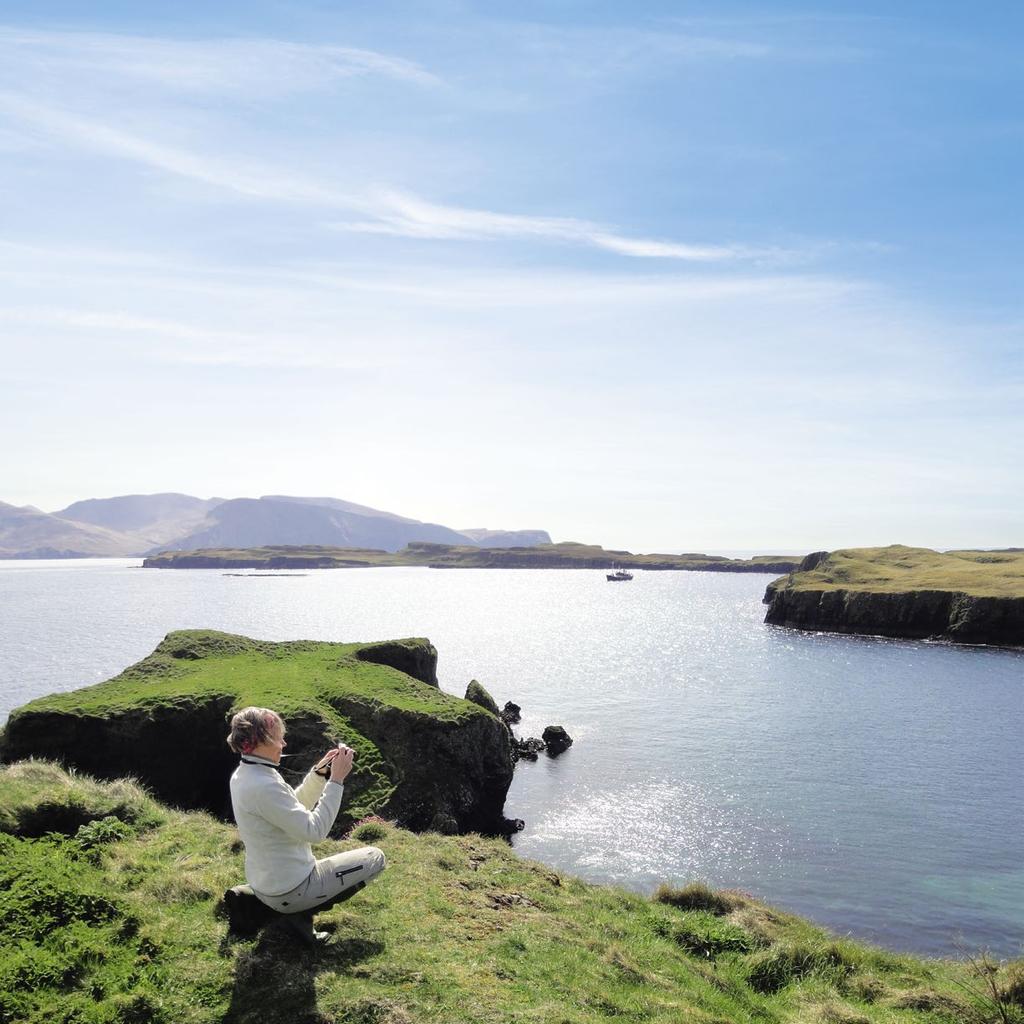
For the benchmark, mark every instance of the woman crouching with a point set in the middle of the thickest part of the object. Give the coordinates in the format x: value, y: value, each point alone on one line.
x: 277, y: 824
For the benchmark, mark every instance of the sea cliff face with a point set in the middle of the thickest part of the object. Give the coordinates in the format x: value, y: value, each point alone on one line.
x: 813, y: 598
x: 423, y: 757
x: 918, y: 614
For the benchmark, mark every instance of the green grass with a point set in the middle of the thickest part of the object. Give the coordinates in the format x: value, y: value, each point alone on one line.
x: 898, y: 569
x: 290, y: 677
x: 121, y: 922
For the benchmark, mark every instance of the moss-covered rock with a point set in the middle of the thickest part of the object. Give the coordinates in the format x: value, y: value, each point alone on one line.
x: 422, y: 755
x: 476, y: 693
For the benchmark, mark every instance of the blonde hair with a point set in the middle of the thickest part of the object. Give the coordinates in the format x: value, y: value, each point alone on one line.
x: 250, y: 727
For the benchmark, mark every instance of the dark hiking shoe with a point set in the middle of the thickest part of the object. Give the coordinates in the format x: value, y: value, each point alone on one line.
x: 246, y: 914
x: 301, y: 926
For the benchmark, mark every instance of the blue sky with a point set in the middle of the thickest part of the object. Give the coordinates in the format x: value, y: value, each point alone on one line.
x: 660, y: 276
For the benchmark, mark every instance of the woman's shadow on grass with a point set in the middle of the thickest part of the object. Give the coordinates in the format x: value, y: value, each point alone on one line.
x: 277, y: 975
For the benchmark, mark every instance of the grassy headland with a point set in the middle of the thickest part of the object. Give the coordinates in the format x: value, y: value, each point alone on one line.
x: 967, y: 596
x: 567, y: 555
x: 110, y: 912
x: 164, y: 720
x: 897, y: 569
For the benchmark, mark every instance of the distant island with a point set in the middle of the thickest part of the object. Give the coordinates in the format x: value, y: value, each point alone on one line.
x: 133, y: 525
x: 566, y: 555
x: 971, y: 597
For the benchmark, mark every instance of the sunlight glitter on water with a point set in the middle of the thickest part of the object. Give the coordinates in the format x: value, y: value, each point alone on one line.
x: 654, y: 831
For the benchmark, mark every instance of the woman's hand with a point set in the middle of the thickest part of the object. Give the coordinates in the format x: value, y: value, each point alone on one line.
x: 341, y: 765
x: 325, y: 761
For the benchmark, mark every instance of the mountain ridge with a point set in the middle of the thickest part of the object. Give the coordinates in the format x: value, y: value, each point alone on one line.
x: 136, y: 525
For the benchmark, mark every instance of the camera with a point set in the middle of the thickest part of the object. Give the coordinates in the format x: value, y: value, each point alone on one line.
x: 325, y: 771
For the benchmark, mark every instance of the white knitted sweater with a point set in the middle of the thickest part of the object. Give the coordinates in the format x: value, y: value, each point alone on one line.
x: 278, y: 823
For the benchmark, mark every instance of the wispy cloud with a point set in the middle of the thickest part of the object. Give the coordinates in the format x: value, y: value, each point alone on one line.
x: 246, y: 67
x: 98, y: 137
x: 382, y: 211
x: 400, y: 213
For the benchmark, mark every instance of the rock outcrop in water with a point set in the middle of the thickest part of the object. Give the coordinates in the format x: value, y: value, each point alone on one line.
x: 556, y: 738
x: 423, y: 757
x: 893, y: 592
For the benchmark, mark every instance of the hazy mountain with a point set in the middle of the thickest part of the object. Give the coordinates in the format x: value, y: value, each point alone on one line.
x: 155, y: 519
x: 138, y: 524
x: 253, y: 522
x: 342, y: 506
x: 28, y: 533
x: 507, y: 538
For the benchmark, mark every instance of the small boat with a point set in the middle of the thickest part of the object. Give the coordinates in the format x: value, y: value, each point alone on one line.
x: 619, y: 576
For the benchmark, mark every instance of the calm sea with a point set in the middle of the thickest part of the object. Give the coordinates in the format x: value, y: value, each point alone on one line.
x: 874, y: 786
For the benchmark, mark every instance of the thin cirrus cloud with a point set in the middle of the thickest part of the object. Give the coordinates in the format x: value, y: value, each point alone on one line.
x: 400, y: 213
x: 382, y: 211
x: 222, y: 66
x: 95, y: 136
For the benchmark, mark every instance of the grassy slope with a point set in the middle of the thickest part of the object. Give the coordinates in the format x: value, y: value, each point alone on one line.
x: 122, y: 924
x: 897, y: 568
x: 449, y: 556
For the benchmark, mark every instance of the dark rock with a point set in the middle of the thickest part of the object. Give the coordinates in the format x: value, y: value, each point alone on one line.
x: 812, y: 561
x: 476, y: 694
x: 416, y: 658
x: 510, y: 714
x: 915, y: 614
x: 527, y: 749
x: 556, y: 739
x: 448, y: 826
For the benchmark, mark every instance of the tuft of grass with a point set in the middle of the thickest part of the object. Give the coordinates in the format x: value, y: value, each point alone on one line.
x: 773, y: 969
x: 697, y: 896
x: 703, y: 933
x: 1011, y: 987
x: 834, y: 1014
x: 371, y: 831
x: 39, y: 797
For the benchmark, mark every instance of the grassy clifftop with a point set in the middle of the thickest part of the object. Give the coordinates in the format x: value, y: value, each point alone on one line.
x: 293, y: 677
x: 974, y: 597
x: 897, y: 568
x: 110, y: 913
x: 422, y: 755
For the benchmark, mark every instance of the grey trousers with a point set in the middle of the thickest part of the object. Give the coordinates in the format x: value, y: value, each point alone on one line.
x: 330, y: 878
